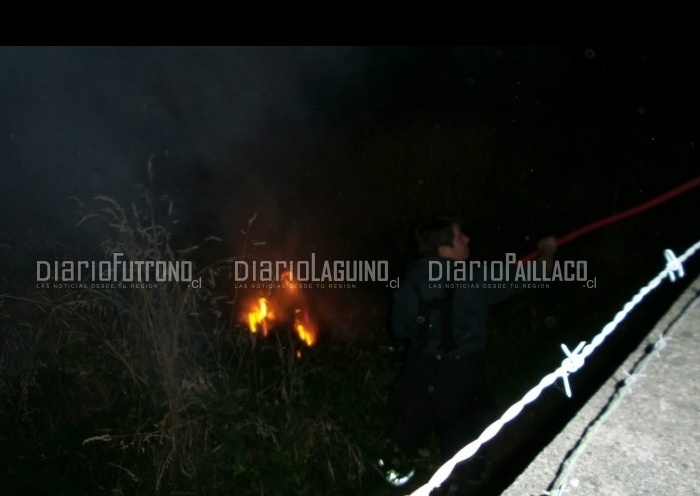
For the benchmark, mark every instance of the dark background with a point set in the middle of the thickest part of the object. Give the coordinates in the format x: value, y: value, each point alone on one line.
x: 338, y: 150
x: 526, y: 140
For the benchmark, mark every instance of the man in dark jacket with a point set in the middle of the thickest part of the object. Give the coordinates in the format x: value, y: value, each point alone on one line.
x: 442, y: 321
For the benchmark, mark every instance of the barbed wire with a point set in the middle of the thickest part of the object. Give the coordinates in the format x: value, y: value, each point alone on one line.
x: 624, y: 387
x: 573, y: 362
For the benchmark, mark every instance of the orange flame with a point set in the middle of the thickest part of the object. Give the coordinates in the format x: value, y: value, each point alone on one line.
x: 260, y: 317
x: 259, y: 314
x: 304, y: 327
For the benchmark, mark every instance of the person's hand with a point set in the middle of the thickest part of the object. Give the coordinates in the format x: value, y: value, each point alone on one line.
x: 547, y: 246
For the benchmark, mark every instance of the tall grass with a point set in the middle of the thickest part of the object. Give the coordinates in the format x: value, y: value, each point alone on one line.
x: 155, y: 389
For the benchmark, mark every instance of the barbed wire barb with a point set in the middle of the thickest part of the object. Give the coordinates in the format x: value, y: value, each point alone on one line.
x: 573, y: 362
x: 673, y: 265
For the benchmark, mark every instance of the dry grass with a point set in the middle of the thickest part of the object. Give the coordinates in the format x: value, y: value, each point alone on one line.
x: 160, y: 391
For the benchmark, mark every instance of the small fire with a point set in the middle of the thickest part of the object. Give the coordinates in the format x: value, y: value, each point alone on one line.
x: 305, y: 329
x: 260, y: 317
x: 286, y: 307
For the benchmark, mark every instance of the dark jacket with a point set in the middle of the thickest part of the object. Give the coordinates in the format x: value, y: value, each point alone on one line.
x: 470, y: 305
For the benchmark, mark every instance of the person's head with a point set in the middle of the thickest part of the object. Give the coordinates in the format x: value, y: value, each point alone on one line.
x: 442, y: 236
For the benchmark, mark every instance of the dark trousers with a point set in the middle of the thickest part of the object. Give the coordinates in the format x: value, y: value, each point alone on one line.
x: 442, y: 392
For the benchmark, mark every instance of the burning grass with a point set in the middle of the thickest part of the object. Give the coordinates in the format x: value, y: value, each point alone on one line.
x: 155, y: 390
x: 210, y: 390
x: 285, y: 308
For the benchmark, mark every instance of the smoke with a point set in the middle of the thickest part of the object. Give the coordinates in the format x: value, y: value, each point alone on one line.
x: 232, y: 130
x: 84, y: 121
x: 335, y: 149
x: 305, y: 136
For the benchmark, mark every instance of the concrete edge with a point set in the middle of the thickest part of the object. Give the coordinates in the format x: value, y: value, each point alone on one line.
x: 545, y: 468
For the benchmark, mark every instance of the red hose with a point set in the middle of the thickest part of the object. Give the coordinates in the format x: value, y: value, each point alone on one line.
x: 620, y: 216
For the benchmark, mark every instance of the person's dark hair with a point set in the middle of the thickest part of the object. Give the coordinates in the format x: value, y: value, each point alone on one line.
x: 435, y: 231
